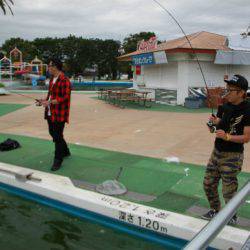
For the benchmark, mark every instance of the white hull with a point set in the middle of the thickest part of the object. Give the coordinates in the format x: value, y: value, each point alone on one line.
x: 61, y: 189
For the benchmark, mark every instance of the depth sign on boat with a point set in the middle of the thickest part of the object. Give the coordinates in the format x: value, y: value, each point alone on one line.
x: 159, y: 226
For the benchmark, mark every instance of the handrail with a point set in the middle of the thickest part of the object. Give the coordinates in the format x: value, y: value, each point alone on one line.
x: 210, y: 231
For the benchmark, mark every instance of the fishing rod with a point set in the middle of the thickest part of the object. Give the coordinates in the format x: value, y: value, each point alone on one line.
x: 26, y: 96
x: 209, y: 124
x: 30, y: 97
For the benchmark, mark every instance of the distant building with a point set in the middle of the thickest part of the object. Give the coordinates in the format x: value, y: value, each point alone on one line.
x: 170, y: 68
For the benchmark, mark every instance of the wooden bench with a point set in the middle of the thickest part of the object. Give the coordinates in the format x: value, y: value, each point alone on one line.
x: 101, y: 94
x: 120, y: 97
x: 142, y: 101
x: 145, y: 101
x: 123, y: 100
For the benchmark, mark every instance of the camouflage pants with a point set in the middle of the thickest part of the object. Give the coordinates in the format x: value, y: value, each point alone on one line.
x: 225, y: 166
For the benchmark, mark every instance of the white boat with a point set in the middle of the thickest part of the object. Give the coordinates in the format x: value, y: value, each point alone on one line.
x: 153, y: 224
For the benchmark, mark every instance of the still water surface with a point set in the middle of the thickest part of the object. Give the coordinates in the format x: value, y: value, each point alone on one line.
x: 26, y: 225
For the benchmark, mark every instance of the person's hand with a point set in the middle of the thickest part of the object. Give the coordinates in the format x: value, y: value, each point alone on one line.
x: 45, y: 103
x: 221, y: 134
x: 38, y: 102
x: 213, y: 119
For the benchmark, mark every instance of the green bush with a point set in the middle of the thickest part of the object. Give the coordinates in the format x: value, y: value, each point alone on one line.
x: 2, y: 85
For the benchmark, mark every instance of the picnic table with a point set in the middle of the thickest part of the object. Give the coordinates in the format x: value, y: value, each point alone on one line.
x: 123, y: 96
x: 104, y: 94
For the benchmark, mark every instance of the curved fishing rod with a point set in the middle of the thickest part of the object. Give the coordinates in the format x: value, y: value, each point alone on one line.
x: 189, y: 42
x: 30, y: 97
x: 26, y: 96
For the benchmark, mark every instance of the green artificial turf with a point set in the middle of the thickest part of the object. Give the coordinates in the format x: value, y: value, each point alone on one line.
x: 175, y: 190
x: 8, y: 108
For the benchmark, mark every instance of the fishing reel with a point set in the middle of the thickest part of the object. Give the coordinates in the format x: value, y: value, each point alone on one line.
x: 211, y: 125
x: 38, y: 102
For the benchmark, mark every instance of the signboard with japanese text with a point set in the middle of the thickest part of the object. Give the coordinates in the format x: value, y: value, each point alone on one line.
x: 138, y: 215
x: 143, y: 59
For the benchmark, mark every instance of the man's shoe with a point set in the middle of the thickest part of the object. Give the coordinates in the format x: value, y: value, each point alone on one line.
x: 56, y: 165
x: 209, y: 215
x: 233, y: 220
x: 67, y: 154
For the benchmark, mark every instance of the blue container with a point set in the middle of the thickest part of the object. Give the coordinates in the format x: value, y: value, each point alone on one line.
x: 193, y: 102
x: 34, y: 82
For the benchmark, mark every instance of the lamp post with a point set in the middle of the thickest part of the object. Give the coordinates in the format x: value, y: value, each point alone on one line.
x: 95, y: 66
x: 121, y: 50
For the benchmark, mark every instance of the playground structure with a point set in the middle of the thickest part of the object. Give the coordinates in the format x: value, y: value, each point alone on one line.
x: 37, y: 71
x: 14, y: 66
x: 6, y: 68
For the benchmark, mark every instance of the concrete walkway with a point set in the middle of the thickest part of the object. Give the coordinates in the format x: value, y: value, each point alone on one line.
x: 97, y: 124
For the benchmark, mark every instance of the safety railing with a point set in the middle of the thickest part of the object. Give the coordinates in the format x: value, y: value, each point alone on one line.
x: 210, y: 231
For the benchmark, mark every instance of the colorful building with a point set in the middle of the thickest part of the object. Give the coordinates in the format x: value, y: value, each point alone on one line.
x: 170, y: 69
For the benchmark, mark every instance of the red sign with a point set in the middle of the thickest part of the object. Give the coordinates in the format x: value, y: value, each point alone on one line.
x: 138, y: 69
x: 147, y: 45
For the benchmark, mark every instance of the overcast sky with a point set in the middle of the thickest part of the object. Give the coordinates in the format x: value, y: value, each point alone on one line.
x: 117, y: 19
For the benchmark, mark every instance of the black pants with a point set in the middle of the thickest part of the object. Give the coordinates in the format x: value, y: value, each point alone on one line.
x: 56, y: 132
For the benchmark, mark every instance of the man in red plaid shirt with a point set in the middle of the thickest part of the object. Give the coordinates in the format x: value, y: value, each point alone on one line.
x: 57, y: 107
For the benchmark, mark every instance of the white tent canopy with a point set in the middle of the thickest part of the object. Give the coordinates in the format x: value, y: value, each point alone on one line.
x: 235, y: 57
x: 237, y: 42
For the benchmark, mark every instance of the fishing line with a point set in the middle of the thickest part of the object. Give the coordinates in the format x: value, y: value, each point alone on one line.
x: 26, y: 96
x: 189, y: 42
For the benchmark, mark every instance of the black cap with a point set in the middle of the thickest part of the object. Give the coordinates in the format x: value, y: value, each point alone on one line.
x: 238, y: 81
x: 57, y: 62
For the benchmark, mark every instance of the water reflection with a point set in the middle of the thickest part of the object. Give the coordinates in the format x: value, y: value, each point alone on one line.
x: 61, y: 232
x: 26, y: 225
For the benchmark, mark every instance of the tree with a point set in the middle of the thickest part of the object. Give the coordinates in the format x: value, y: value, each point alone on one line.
x: 79, y: 55
x: 130, y: 42
x: 107, y: 52
x: 27, y: 47
x: 74, y: 53
x: 1, y: 54
x: 130, y: 45
x: 6, y: 4
x: 47, y: 48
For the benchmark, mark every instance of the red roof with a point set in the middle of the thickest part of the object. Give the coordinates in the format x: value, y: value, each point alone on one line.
x: 200, y: 41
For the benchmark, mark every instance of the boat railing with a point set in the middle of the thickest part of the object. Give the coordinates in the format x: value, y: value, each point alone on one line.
x: 210, y: 231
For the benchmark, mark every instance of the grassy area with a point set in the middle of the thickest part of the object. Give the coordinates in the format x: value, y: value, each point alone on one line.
x: 164, y: 108
x: 8, y: 108
x: 168, y: 108
x: 175, y: 190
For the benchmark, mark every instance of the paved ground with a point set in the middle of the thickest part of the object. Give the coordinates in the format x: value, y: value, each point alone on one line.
x: 97, y: 124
